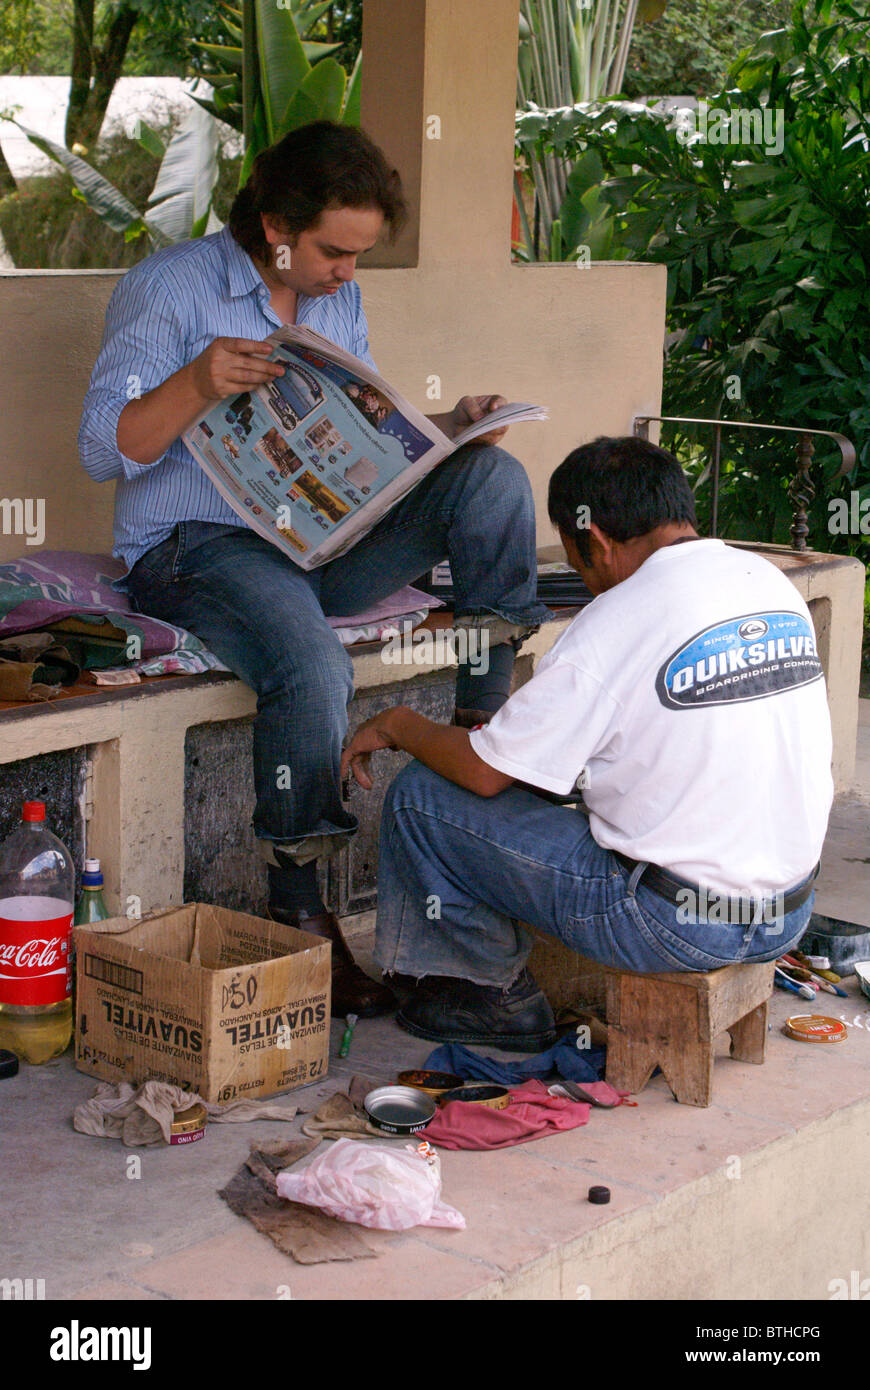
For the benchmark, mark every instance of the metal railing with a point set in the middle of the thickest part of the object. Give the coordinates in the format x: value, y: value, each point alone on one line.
x: 801, y: 489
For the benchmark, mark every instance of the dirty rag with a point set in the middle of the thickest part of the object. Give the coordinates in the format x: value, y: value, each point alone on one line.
x: 565, y: 1058
x: 342, y: 1115
x: 140, y: 1116
x: 307, y: 1235
x: 532, y: 1114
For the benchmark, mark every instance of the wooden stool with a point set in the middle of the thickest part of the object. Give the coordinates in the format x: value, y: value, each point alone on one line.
x: 665, y: 1020
x: 673, y: 1020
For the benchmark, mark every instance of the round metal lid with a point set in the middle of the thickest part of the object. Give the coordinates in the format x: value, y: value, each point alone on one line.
x: 817, y: 1028
x: 400, y: 1109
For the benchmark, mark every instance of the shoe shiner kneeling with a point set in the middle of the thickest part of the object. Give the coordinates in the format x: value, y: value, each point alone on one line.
x: 689, y: 702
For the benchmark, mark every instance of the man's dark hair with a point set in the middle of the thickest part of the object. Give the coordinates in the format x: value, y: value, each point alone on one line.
x: 319, y: 166
x: 629, y: 486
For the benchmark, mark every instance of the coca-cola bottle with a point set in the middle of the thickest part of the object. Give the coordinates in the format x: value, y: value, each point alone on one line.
x: 37, y: 883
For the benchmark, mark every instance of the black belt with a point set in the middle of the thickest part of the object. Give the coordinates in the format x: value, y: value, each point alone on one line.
x: 661, y: 882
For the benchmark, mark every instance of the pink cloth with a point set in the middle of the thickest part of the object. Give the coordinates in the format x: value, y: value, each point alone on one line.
x: 407, y: 600
x: 531, y: 1114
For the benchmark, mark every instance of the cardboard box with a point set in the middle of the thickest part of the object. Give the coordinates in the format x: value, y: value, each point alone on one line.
x: 229, y: 1005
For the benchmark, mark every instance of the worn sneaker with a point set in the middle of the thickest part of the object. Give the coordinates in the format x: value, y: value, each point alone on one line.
x: 447, y: 1010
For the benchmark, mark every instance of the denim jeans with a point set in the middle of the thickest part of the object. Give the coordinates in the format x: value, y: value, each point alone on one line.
x: 458, y: 874
x: 264, y: 617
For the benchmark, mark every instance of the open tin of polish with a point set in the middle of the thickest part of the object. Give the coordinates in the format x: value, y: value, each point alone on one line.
x: 432, y: 1083
x: 399, y: 1109
x: 188, y: 1125
x: 495, y: 1097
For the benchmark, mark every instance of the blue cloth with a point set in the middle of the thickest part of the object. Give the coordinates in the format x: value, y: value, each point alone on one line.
x: 163, y: 314
x: 565, y: 1058
x: 494, y: 863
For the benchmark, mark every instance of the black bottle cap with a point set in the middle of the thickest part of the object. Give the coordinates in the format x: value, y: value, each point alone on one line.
x: 600, y: 1196
x: 8, y: 1063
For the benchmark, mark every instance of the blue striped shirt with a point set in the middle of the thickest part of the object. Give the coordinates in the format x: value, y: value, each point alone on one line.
x: 163, y: 314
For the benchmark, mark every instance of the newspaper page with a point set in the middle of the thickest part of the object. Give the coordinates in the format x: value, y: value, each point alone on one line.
x: 313, y: 459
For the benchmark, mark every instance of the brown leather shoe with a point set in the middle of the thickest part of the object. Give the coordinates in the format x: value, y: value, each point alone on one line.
x: 353, y: 991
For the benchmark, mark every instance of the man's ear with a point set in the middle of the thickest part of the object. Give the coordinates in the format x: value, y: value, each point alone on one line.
x: 569, y: 545
x: 600, y: 544
x: 274, y: 232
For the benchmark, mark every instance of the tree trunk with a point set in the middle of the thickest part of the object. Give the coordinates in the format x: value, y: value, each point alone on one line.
x: 80, y: 71
x: 107, y: 65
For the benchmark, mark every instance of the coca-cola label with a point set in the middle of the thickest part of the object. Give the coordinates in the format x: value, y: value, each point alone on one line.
x: 35, y: 960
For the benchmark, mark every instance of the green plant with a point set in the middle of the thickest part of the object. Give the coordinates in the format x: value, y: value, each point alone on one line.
x: 180, y: 203
x: 767, y: 250
x: 271, y: 77
x: 688, y: 50
x: 44, y: 228
x: 101, y: 36
x: 570, y: 51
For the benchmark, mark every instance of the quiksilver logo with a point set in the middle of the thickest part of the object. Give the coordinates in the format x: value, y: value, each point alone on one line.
x: 745, y: 658
x: 77, y: 1343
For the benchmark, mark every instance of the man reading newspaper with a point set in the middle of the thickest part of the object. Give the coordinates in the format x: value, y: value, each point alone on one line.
x: 687, y: 699
x: 186, y: 328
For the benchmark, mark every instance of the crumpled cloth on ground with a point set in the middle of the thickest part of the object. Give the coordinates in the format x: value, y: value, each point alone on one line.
x: 142, y: 1116
x: 565, y: 1058
x: 342, y: 1115
x: 532, y: 1114
x: 386, y: 1189
x: 304, y: 1233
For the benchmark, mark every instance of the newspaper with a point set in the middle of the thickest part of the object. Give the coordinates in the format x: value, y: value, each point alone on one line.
x: 313, y: 459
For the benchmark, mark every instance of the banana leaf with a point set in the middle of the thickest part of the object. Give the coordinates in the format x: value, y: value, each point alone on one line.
x: 351, y: 113
x: 181, y: 197
x: 319, y: 97
x: 149, y: 140
x: 258, y: 142
x: 226, y: 55
x: 283, y: 64
x: 99, y: 194
x: 307, y: 12
x: 314, y: 50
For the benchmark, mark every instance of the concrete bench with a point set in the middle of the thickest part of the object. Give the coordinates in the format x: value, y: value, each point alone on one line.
x: 154, y: 755
x: 167, y: 788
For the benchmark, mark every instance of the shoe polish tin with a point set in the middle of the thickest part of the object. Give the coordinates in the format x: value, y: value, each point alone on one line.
x: 399, y: 1109
x: 432, y: 1083
x: 188, y: 1125
x: 494, y: 1097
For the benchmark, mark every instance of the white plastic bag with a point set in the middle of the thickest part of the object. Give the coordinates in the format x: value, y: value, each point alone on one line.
x: 373, y: 1185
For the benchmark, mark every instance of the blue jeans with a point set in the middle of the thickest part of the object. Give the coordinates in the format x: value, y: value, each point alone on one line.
x: 264, y: 617
x: 458, y: 874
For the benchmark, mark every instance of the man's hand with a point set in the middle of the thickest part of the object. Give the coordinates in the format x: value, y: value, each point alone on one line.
x: 444, y: 748
x: 369, y: 738
x: 472, y: 408
x: 229, y: 365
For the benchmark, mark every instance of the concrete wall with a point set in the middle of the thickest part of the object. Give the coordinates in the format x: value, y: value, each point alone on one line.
x: 586, y: 343
x: 443, y: 301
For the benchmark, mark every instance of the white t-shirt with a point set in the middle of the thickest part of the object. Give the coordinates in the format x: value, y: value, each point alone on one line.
x: 692, y: 699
